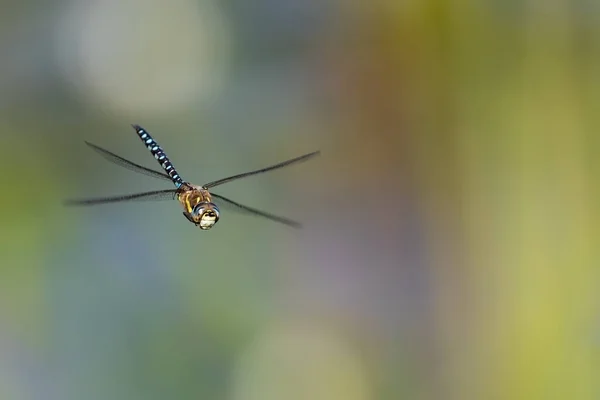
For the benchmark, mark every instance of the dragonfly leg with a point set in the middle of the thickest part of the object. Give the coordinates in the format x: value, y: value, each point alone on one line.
x: 189, y: 218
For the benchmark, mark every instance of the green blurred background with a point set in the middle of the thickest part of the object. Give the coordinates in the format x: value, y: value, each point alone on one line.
x: 450, y: 248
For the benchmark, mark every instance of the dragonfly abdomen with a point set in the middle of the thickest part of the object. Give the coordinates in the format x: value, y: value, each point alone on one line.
x: 159, y: 155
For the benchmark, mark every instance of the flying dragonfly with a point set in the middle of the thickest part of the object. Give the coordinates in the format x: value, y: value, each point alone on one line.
x: 197, y: 201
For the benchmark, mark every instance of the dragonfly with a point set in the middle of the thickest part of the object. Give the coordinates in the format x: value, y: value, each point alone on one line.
x: 199, y: 205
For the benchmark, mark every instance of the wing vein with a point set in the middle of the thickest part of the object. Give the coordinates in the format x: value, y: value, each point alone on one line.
x: 130, y: 165
x: 262, y: 170
x: 253, y: 211
x: 156, y: 195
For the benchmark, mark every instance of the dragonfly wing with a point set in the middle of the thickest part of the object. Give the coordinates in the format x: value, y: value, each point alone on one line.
x: 157, y: 195
x: 300, y: 159
x: 235, y: 206
x: 130, y: 165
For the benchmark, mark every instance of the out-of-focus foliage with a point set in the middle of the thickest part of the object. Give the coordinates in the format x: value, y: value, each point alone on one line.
x: 451, y: 245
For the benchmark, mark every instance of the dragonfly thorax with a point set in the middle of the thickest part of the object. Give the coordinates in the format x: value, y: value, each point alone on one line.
x: 198, y: 207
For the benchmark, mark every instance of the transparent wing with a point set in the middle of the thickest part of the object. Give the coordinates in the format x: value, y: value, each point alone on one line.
x: 156, y: 195
x: 262, y: 170
x: 115, y: 159
x: 224, y: 201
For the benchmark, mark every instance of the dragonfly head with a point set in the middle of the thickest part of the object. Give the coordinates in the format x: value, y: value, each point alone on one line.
x: 205, y: 215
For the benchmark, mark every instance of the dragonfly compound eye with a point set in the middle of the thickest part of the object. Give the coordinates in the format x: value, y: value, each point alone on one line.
x: 206, y: 215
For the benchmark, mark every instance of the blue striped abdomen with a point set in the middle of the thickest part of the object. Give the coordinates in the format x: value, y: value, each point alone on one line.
x: 159, y: 154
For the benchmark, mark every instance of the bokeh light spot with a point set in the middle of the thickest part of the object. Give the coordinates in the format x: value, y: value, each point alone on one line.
x: 140, y: 56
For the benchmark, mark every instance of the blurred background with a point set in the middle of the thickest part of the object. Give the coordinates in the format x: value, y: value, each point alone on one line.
x: 450, y: 247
